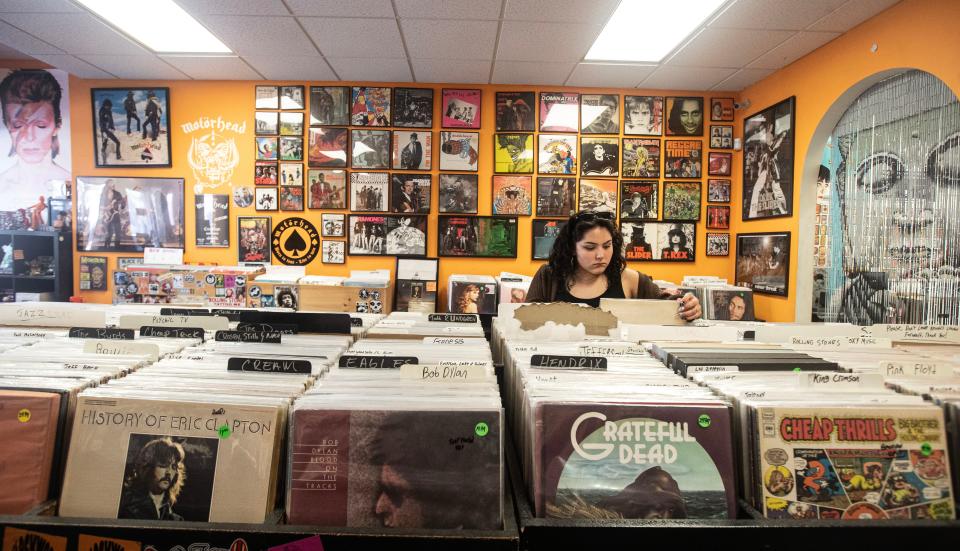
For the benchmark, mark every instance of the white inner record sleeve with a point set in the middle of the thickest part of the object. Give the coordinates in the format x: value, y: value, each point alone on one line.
x: 109, y: 433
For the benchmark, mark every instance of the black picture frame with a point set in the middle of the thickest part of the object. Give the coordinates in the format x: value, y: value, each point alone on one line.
x: 718, y: 217
x: 461, y: 108
x: 419, y: 276
x: 329, y: 253
x: 266, y: 198
x: 327, y: 189
x: 211, y: 220
x: 416, y: 198
x: 292, y: 97
x: 267, y: 96
x: 333, y: 224
x: 291, y: 148
x: 566, y: 118
x: 328, y: 147
x: 719, y: 163
x: 721, y: 109
x: 639, y: 200
x: 718, y: 244
x: 116, y: 108
x: 405, y: 153
x: 766, y: 142
x: 370, y: 106
x: 764, y: 255
x: 682, y: 118
x: 369, y: 192
x: 167, y: 233
x: 479, y: 245
x: 556, y: 196
x: 253, y: 239
x: 459, y: 150
x: 291, y: 198
x: 541, y: 244
x: 516, y: 111
x: 93, y: 273
x: 600, y: 121
x: 266, y: 123
x: 652, y: 241
x: 718, y: 190
x: 605, y: 165
x: 682, y: 159
x: 640, y: 158
x: 413, y: 107
x: 453, y: 201
x: 388, y: 224
x: 329, y: 105
x: 370, y: 149
x: 643, y: 115
x: 677, y: 203
x: 513, y: 153
x: 291, y: 123
x: 721, y: 136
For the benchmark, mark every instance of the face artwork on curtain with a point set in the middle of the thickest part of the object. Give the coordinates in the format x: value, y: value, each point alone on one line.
x: 894, y: 255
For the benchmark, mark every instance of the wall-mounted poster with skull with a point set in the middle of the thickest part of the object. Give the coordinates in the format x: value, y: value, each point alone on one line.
x: 213, y: 153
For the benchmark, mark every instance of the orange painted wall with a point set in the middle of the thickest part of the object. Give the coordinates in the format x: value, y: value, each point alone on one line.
x: 920, y: 34
x: 234, y: 101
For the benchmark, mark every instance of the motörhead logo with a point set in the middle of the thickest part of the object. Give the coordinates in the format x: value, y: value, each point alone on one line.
x: 295, y: 242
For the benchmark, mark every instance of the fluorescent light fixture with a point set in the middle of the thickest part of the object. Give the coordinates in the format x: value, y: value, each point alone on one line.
x: 160, y: 25
x: 646, y: 30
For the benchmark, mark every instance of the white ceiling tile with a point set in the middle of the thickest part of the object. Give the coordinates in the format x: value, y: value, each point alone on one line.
x: 774, y: 14
x: 727, y: 48
x: 609, y: 75
x: 25, y: 42
x: 373, y: 70
x: 258, y: 35
x: 74, y: 66
x: 10, y: 53
x: 449, y: 9
x: 37, y: 6
x: 450, y: 70
x: 213, y: 68
x: 524, y: 41
x: 76, y: 33
x: 851, y: 14
x: 449, y: 39
x: 570, y: 11
x: 743, y: 78
x: 355, y: 38
x: 525, y: 72
x: 291, y: 67
x: 146, y: 67
x: 685, y: 78
x: 233, y: 7
x: 339, y: 8
x: 793, y: 49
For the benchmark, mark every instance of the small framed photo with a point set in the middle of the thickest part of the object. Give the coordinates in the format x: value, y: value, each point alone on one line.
x: 291, y: 97
x: 266, y: 198
x: 477, y: 236
x: 559, y: 112
x: 459, y: 150
x: 370, y: 106
x: 718, y: 244
x: 327, y: 188
x: 267, y: 148
x: 639, y: 199
x: 556, y: 197
x: 413, y: 107
x: 460, y: 108
x: 93, y: 273
x: 381, y: 235
x: 718, y: 217
x: 718, y: 191
x: 291, y: 198
x: 413, y: 150
x: 332, y: 225
x: 410, y: 193
x: 545, y: 232
x: 291, y: 148
x: 558, y: 154
x: 641, y: 158
x: 328, y: 147
x: 267, y: 123
x: 334, y: 252
x: 253, y: 236
x: 684, y: 116
x: 267, y: 97
x: 643, y: 115
x: 291, y: 174
x: 212, y: 220
x: 513, y: 153
x: 599, y: 156
x: 329, y: 105
x: 458, y: 193
x: 721, y: 136
x: 369, y: 191
x: 721, y: 109
x: 511, y: 195
x: 116, y: 141
x: 719, y: 164
x: 370, y: 149
x: 265, y: 173
x: 516, y: 111
x: 763, y: 262
x: 597, y: 196
x: 599, y: 114
x: 681, y: 201
x: 683, y: 159
x: 291, y: 124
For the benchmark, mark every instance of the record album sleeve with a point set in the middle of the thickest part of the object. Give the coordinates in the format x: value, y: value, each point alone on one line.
x: 28, y: 433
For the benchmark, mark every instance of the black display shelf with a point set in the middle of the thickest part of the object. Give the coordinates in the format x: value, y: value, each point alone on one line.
x: 31, y: 244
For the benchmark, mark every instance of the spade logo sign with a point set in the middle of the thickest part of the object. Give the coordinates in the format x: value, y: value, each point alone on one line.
x: 295, y: 242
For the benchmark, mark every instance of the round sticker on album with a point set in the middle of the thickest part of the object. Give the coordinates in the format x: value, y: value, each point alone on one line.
x: 295, y: 242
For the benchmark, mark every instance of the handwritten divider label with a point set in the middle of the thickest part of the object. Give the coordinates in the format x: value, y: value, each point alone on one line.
x: 269, y: 337
x: 396, y: 324
x: 270, y: 365
x: 51, y: 314
x: 443, y: 374
x: 185, y: 312
x: 122, y: 348
x: 613, y: 349
x: 306, y: 322
x: 571, y: 363
x: 839, y: 382
x: 209, y: 323
x: 351, y: 361
x: 460, y: 330
x: 839, y: 343
x: 172, y: 332
x: 693, y: 369
x: 285, y: 328
x: 916, y: 370
x: 453, y: 341
x: 100, y: 333
x: 229, y: 313
x: 916, y: 333
x: 454, y: 318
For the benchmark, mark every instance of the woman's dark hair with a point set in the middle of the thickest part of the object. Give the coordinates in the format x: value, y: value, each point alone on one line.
x: 563, y: 255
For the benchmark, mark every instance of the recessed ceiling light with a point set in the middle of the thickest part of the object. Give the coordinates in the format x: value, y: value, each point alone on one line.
x: 160, y: 25
x: 645, y: 30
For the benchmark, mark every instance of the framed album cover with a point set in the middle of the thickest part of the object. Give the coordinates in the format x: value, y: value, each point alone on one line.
x: 332, y: 225
x: 458, y: 193
x: 643, y: 115
x: 212, y: 220
x: 718, y: 163
x: 119, y: 214
x: 597, y: 196
x: 516, y: 111
x: 371, y: 149
x: 721, y: 136
x: 721, y: 109
x: 265, y: 173
x: 639, y: 199
x: 477, y: 236
x: 385, y: 235
x: 763, y: 262
x: 683, y: 159
x: 291, y: 174
x: 267, y: 148
x: 416, y: 289
x: 291, y: 198
x: 718, y: 191
x: 412, y: 150
x: 413, y: 107
x: 327, y: 189
x: 718, y: 217
x: 120, y: 143
x: 291, y: 148
x: 410, y: 193
x: 267, y: 97
x: 369, y: 191
x: 659, y: 241
x: 93, y: 273
x: 266, y: 198
x: 684, y: 116
x: 599, y: 156
x: 513, y: 153
x: 718, y: 244
x: 511, y: 195
x: 599, y: 114
x: 768, y: 149
x: 253, y: 238
x: 556, y: 197
x: 459, y: 150
x: 559, y: 112
x: 291, y: 124
x: 681, y: 200
x: 291, y: 97
x: 267, y: 123
x: 641, y: 158
x: 544, y: 233
x: 328, y: 147
x: 333, y: 252
x: 370, y: 106
x: 461, y: 108
x: 329, y: 105
x: 558, y: 154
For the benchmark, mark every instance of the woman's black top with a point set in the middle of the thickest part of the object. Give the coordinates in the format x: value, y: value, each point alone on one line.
x: 613, y: 291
